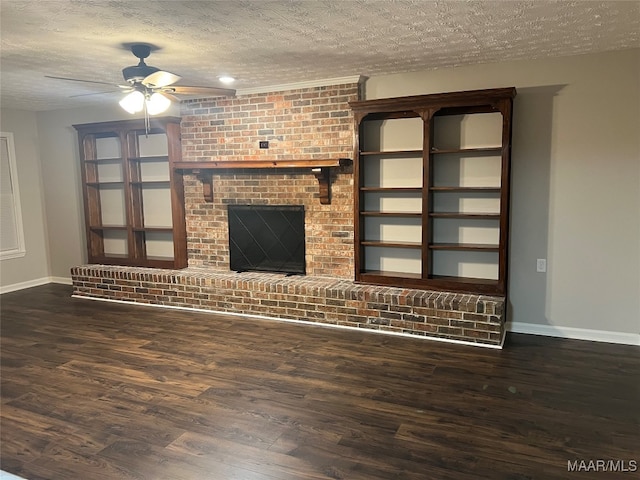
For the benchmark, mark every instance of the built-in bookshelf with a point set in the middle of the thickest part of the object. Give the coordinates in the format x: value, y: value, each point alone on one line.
x: 432, y: 190
x: 134, y: 206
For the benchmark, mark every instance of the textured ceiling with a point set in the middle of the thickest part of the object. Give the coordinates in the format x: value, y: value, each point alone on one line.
x: 265, y: 43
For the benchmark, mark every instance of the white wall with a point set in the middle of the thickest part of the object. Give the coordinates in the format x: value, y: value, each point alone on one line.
x: 575, y: 186
x: 33, y: 268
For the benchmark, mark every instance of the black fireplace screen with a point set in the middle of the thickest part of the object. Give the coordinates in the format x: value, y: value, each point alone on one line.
x: 267, y: 238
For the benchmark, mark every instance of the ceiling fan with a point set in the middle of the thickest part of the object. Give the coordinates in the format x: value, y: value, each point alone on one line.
x: 149, y: 88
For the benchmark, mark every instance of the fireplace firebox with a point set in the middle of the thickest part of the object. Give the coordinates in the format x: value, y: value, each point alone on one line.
x: 268, y: 238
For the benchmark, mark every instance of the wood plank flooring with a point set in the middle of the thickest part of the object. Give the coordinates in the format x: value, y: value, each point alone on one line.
x: 94, y: 390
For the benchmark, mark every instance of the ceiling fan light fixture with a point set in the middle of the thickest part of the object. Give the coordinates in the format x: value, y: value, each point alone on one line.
x: 157, y: 103
x: 226, y: 79
x: 133, y: 102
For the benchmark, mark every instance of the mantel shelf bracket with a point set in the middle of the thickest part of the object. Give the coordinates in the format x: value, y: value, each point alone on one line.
x: 320, y: 168
x: 206, y: 177
x: 323, y: 174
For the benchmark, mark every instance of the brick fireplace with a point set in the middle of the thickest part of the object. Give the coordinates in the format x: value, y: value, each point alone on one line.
x: 303, y: 124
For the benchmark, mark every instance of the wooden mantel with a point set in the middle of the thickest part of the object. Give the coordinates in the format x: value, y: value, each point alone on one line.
x: 320, y: 168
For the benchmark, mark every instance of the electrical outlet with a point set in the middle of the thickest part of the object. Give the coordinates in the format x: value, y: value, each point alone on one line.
x: 264, y: 143
x: 541, y: 265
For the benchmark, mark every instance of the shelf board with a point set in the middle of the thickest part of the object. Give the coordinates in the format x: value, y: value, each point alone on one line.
x: 118, y: 256
x: 466, y: 189
x: 151, y: 158
x: 441, y: 151
x: 160, y: 183
x: 105, y: 160
x: 465, y: 246
x: 159, y: 259
x: 378, y: 243
x: 384, y: 273
x: 392, y: 189
x: 153, y: 229
x: 467, y: 280
x: 108, y: 227
x: 251, y: 164
x: 390, y: 152
x: 391, y: 214
x: 321, y: 168
x: 99, y: 184
x: 479, y: 216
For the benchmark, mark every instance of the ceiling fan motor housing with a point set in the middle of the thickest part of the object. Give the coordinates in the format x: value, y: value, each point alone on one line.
x: 136, y: 73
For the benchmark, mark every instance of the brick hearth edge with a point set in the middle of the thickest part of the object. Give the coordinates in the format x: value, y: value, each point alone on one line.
x: 459, y: 317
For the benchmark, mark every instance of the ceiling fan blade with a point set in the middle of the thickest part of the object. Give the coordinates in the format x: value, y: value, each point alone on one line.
x: 171, y: 97
x: 212, y: 91
x: 96, y: 93
x: 160, y: 79
x: 87, y: 81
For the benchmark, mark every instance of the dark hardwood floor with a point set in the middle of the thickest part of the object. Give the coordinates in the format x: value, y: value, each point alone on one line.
x: 94, y: 390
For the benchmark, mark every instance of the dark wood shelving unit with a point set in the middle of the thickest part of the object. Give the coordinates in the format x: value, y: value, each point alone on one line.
x: 434, y: 119
x: 117, y: 231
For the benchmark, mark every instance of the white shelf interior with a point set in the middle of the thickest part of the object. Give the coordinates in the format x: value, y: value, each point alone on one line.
x: 154, y: 144
x: 108, y: 147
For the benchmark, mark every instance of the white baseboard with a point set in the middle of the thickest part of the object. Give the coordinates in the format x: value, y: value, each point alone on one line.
x: 22, y: 285
x: 34, y: 283
x: 575, y: 333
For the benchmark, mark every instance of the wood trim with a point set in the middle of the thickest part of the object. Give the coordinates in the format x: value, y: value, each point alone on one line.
x: 321, y: 168
x: 253, y: 164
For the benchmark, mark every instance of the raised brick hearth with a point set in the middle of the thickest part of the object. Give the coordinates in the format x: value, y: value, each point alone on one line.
x: 304, y: 124
x: 453, y: 316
